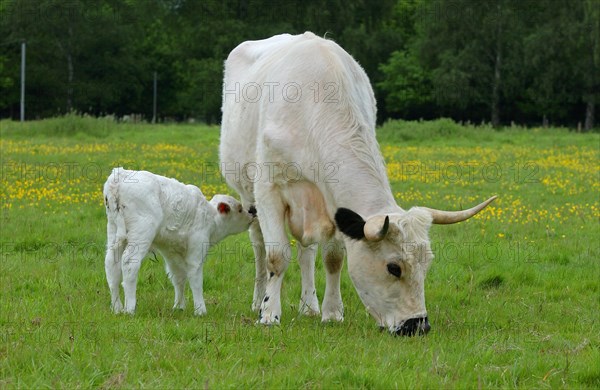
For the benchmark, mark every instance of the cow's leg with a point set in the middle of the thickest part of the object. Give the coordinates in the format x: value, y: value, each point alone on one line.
x: 137, y: 248
x: 195, y: 263
x: 112, y: 266
x: 176, y: 270
x: 260, y: 280
x: 271, y: 218
x: 333, y: 256
x: 309, y: 303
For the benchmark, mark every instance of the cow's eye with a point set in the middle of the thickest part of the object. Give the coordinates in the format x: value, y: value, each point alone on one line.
x: 394, y: 269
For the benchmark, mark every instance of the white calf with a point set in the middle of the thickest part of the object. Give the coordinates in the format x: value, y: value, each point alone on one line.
x: 146, y: 211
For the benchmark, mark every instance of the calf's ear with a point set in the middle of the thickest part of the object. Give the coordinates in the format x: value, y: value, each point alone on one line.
x: 223, y: 208
x: 350, y: 223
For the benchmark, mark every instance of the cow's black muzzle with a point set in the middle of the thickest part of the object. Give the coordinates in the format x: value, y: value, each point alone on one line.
x: 414, y: 326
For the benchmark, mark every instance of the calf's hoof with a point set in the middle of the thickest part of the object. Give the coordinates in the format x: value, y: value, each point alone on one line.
x: 117, y: 307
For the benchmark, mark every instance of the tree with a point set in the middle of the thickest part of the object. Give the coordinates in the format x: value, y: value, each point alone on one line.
x: 6, y: 83
x: 495, y: 60
x: 470, y: 47
x: 556, y: 61
x: 591, y: 39
x: 407, y: 86
x: 83, y: 55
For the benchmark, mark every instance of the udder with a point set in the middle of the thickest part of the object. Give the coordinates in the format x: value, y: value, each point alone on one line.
x: 306, y: 214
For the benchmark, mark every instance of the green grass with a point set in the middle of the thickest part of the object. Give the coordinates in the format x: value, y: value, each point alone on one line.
x: 512, y: 296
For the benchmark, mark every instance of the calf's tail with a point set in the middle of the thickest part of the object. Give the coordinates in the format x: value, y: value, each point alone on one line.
x: 114, y: 211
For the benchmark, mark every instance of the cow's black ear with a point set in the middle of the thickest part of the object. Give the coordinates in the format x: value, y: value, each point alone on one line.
x: 350, y: 223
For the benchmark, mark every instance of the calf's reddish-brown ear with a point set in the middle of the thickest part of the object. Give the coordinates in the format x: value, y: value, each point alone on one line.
x: 223, y: 208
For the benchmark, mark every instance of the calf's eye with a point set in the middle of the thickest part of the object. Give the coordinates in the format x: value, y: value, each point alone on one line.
x: 394, y: 269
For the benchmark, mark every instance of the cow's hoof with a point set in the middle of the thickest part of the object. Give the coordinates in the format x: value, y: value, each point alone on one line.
x: 199, y: 311
x: 256, y: 306
x: 333, y: 310
x: 333, y: 316
x: 310, y: 310
x: 269, y: 320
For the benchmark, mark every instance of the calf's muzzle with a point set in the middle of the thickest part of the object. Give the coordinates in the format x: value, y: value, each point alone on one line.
x: 252, y: 211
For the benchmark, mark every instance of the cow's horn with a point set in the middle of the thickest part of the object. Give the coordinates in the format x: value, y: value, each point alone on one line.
x: 446, y: 217
x: 376, y: 228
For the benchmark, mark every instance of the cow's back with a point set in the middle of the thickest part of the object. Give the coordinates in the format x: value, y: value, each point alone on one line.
x: 243, y: 70
x: 312, y: 93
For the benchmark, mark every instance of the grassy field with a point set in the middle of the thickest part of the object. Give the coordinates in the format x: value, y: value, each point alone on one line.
x: 512, y: 296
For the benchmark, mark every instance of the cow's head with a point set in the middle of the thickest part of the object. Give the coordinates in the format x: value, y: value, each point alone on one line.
x: 388, y: 259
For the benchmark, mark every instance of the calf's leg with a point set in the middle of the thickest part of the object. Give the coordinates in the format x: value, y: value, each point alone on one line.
x: 176, y: 270
x: 112, y: 266
x: 194, y: 264
x: 137, y: 248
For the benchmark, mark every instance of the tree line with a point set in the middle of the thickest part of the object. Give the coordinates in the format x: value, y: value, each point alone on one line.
x: 497, y: 61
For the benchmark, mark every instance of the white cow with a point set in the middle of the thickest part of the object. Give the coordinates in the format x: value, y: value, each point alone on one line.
x: 299, y: 125
x: 147, y: 211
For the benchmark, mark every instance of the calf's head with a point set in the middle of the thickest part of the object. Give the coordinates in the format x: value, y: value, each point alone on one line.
x: 232, y: 218
x: 388, y: 259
